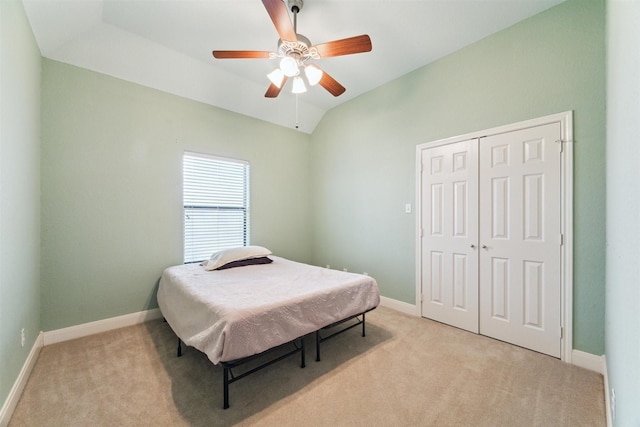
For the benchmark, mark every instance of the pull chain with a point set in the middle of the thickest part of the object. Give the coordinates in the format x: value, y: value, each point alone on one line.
x: 297, y: 124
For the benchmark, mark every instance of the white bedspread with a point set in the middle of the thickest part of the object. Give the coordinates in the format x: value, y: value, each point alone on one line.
x: 238, y: 312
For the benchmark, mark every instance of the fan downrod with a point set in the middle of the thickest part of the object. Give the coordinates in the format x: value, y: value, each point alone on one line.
x: 295, y: 6
x: 301, y: 49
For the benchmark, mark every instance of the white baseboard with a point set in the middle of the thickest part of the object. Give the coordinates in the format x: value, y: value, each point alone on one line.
x: 596, y: 364
x: 65, y: 334
x: 607, y: 396
x: 588, y: 361
x: 91, y: 328
x: 16, y: 391
x: 579, y: 358
x: 400, y: 306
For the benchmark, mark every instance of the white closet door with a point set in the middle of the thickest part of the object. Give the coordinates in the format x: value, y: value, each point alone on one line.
x: 450, y: 234
x: 520, y: 259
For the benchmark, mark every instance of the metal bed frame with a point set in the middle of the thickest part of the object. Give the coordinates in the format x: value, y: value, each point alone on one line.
x: 320, y: 339
x: 298, y: 344
x: 229, y: 378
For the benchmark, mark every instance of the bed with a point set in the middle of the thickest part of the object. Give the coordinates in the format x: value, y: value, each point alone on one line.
x: 262, y: 303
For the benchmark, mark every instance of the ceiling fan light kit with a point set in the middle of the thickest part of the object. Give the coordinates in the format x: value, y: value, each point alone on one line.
x: 298, y: 85
x: 276, y: 77
x: 289, y: 66
x: 295, y: 51
x: 313, y: 73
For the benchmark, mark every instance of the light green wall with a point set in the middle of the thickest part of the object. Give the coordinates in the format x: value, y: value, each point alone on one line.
x: 111, y: 189
x: 363, y: 152
x: 622, y: 324
x: 19, y: 191
x: 111, y: 218
x: 110, y: 173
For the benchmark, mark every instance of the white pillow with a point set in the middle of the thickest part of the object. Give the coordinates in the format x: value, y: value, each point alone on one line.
x: 225, y: 256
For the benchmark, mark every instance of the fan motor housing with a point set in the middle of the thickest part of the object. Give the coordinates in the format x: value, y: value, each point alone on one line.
x: 301, y: 50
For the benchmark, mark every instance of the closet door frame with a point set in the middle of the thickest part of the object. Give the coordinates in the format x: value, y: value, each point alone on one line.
x: 566, y: 176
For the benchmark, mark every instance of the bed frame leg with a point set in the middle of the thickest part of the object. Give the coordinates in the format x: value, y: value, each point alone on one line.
x: 302, y: 355
x: 225, y: 388
x: 363, y: 324
x: 317, y: 346
x: 179, y: 347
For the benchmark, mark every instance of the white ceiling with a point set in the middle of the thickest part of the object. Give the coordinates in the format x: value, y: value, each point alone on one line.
x: 167, y: 44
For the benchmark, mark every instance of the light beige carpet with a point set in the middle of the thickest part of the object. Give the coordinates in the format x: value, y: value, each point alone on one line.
x: 407, y: 371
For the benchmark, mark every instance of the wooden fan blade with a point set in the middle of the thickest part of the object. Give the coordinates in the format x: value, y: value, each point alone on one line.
x: 331, y: 84
x: 357, y: 44
x: 273, y: 90
x: 277, y: 10
x: 240, y: 54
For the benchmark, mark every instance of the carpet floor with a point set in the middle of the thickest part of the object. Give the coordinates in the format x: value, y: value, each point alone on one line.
x: 407, y: 371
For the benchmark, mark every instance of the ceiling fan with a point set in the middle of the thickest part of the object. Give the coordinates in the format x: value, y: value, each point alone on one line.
x: 295, y: 52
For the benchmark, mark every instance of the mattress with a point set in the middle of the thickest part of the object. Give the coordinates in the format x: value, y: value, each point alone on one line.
x: 238, y: 312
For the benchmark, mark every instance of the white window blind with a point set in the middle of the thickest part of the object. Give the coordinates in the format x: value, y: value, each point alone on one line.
x: 216, y: 205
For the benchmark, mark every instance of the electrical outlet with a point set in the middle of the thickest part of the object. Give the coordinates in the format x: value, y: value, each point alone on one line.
x: 328, y: 266
x: 345, y: 269
x: 22, y: 337
x: 613, y: 404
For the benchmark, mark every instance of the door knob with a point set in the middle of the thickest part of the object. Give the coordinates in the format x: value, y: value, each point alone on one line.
x: 484, y: 247
x: 473, y: 246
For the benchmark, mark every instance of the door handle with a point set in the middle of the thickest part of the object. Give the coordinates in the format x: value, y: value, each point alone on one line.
x: 484, y: 247
x: 473, y: 246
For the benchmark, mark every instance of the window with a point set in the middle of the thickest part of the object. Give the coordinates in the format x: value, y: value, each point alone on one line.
x: 216, y: 205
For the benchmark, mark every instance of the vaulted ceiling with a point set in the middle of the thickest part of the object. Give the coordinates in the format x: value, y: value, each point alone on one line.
x: 167, y: 44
